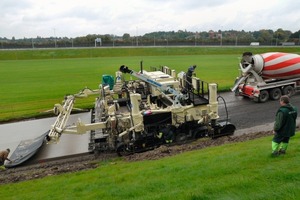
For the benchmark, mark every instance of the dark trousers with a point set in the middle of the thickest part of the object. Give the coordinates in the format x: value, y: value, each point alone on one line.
x: 278, y: 139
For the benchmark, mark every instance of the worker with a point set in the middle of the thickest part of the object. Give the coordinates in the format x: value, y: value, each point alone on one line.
x: 166, y: 134
x: 284, y: 126
x: 189, y: 75
x: 3, y: 157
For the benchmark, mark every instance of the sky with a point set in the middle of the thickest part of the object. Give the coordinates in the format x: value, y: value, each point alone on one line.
x: 75, y: 18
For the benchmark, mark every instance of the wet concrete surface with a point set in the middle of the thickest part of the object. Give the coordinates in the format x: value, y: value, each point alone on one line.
x: 12, y: 134
x: 246, y: 115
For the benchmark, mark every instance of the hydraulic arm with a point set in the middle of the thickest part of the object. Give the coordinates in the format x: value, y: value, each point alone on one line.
x: 64, y: 112
x: 178, y: 96
x: 61, y: 120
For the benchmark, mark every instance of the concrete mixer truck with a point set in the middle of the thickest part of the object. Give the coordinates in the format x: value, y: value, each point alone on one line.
x: 268, y: 76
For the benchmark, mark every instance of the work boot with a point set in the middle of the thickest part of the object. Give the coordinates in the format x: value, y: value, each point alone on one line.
x: 283, y: 148
x: 281, y: 151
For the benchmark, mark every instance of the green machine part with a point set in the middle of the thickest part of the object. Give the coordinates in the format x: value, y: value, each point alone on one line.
x: 108, y: 80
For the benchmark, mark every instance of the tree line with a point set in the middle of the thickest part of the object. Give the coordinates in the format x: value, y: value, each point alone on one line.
x: 162, y: 38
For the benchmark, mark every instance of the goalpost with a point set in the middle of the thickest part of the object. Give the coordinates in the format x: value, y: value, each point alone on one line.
x: 99, y: 41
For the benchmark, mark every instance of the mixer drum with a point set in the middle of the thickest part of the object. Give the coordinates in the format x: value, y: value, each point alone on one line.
x: 279, y: 65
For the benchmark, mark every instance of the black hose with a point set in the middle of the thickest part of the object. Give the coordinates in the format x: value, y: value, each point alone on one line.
x: 226, y: 110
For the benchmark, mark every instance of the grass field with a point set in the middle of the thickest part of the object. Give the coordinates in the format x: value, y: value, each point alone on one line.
x: 32, y: 81
x: 235, y: 171
x: 33, y: 86
x: 136, y: 51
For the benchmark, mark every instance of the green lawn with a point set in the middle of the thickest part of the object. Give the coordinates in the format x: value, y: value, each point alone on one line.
x: 29, y: 54
x: 32, y: 81
x: 242, y: 170
x: 33, y: 86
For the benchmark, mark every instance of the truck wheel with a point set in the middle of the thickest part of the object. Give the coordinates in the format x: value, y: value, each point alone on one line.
x: 275, y: 93
x: 288, y: 90
x: 264, y: 96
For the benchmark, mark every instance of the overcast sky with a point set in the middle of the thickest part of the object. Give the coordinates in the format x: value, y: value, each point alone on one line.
x: 74, y: 18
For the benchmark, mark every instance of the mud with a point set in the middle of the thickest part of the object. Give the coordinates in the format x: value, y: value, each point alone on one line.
x: 90, y: 161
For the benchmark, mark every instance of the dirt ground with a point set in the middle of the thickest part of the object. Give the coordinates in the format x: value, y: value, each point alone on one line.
x: 85, y: 162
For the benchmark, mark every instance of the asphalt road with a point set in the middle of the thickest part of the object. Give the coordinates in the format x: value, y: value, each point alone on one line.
x: 245, y: 113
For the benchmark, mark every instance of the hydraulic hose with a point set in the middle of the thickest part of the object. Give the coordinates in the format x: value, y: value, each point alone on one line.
x: 226, y: 110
